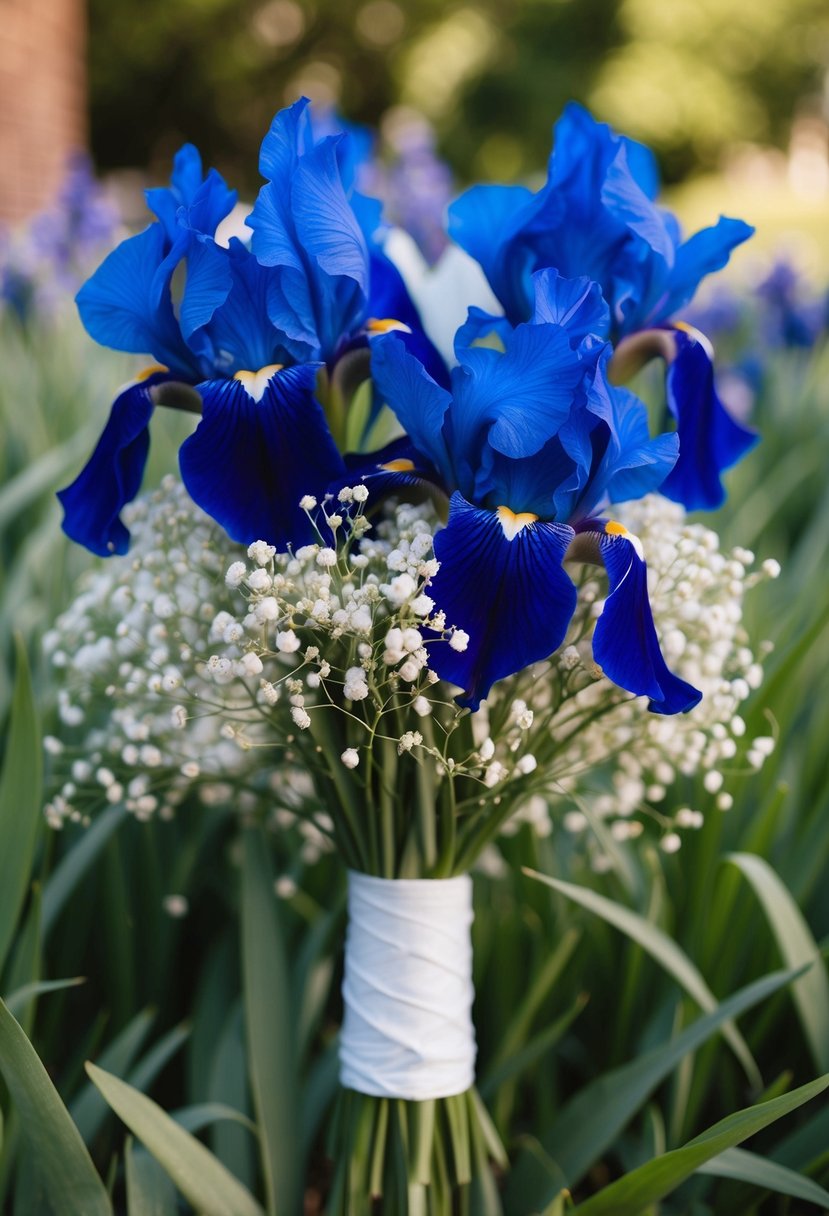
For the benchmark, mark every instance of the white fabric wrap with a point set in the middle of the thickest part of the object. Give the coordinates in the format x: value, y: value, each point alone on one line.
x: 407, y: 1031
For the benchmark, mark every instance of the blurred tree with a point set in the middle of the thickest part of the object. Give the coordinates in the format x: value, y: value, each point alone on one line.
x: 689, y: 77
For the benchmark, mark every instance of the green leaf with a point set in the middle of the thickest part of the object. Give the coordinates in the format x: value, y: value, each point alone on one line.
x: 646, y: 1185
x: 357, y: 416
x: 203, y: 1114
x: 531, y: 1052
x: 20, y: 801
x: 17, y: 1002
x: 77, y: 861
x: 149, y: 1191
x: 797, y: 946
x: 271, y: 1033
x: 664, y: 950
x: 65, y: 1172
x: 744, y: 1166
x: 200, y: 1177
x: 88, y: 1109
x: 590, y: 1122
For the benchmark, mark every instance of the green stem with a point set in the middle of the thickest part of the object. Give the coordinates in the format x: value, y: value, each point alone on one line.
x: 388, y: 773
x: 448, y: 829
x: 353, y: 846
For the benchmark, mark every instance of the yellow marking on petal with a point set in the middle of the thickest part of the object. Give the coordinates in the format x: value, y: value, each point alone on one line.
x: 152, y: 370
x: 398, y: 466
x: 255, y: 383
x: 385, y: 325
x: 697, y: 335
x: 513, y: 523
x: 614, y: 528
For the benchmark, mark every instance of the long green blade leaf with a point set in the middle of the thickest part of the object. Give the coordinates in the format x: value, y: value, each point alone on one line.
x: 77, y: 861
x: 89, y: 1109
x: 797, y: 946
x: 200, y: 1177
x: 664, y: 950
x: 651, y: 1182
x: 744, y: 1166
x: 17, y: 1001
x: 588, y: 1124
x: 20, y: 801
x: 270, y: 1029
x: 149, y: 1191
x: 65, y: 1170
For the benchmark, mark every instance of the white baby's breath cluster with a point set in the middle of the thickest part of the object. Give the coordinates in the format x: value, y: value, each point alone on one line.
x: 345, y: 623
x: 141, y: 723
x: 615, y: 760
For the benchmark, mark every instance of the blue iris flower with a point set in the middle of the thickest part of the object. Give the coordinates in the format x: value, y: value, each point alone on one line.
x: 250, y: 331
x: 596, y: 216
x: 529, y: 442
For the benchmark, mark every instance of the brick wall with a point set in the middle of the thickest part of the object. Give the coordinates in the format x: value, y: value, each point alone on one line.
x: 42, y: 99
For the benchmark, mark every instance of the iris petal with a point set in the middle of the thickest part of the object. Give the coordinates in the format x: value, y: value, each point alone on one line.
x: 249, y: 462
x: 577, y: 304
x: 710, y: 439
x: 419, y: 403
x: 625, y: 644
x: 483, y: 328
x: 483, y: 221
x: 511, y: 596
x: 120, y: 307
x: 526, y: 393
x: 702, y: 254
x: 112, y: 476
x: 325, y: 223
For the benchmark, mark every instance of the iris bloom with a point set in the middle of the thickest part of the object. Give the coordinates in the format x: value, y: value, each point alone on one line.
x: 597, y: 216
x: 528, y: 444
x: 244, y: 343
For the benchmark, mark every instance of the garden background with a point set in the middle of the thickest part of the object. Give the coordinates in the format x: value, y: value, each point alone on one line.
x: 196, y: 958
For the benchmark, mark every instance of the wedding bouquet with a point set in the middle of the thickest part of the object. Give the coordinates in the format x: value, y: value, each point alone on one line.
x: 402, y: 637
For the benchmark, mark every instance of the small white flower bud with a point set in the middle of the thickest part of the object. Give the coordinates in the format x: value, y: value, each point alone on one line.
x: 287, y: 641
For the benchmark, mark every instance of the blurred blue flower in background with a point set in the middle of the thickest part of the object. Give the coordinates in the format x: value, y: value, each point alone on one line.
x: 597, y: 216
x: 51, y: 256
x: 530, y: 442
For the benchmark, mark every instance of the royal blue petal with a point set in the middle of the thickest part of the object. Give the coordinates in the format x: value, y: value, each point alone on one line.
x: 164, y: 201
x: 389, y: 299
x: 207, y: 285
x: 511, y: 596
x: 702, y: 254
x: 544, y: 484
x: 211, y: 203
x: 624, y: 461
x: 240, y: 334
x: 249, y: 462
x: 483, y: 221
x: 525, y: 394
x: 325, y: 223
x: 481, y: 328
x: 118, y: 304
x: 274, y: 239
x: 112, y: 476
x: 419, y: 403
x: 641, y: 462
x: 710, y: 439
x: 395, y: 467
x: 625, y: 644
x: 290, y: 135
x: 577, y: 304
